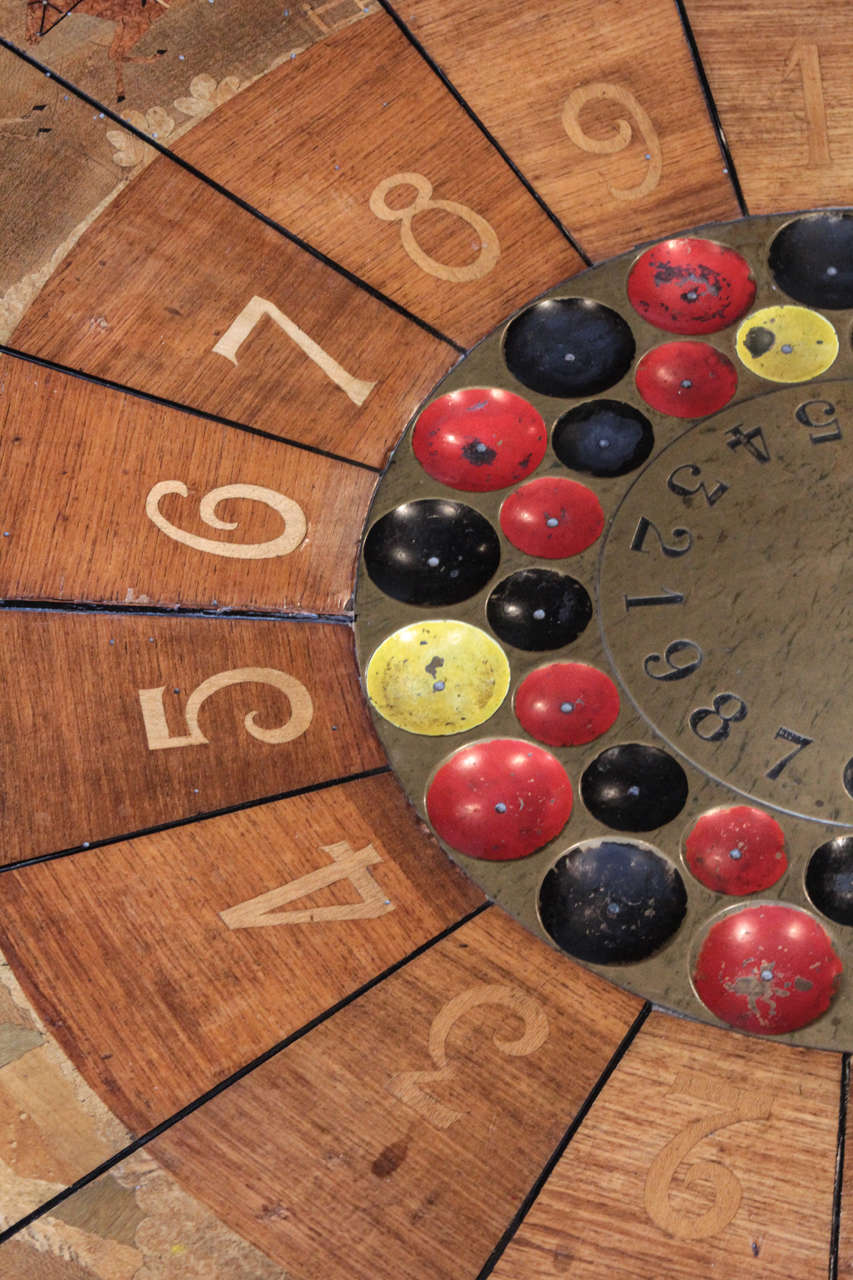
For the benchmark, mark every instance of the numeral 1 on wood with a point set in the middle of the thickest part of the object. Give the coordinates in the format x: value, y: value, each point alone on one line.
x: 347, y: 864
x: 255, y: 309
x: 152, y: 702
x: 807, y: 58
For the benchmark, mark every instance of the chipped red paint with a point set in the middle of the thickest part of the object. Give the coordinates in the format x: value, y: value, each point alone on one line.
x: 737, y: 850
x: 690, y: 285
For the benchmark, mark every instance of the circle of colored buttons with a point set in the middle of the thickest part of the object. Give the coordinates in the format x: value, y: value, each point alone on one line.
x: 634, y: 787
x: 568, y: 347
x: 538, y: 609
x: 612, y: 901
x: 812, y: 260
x: 566, y: 704
x: 499, y: 799
x: 603, y: 438
x: 737, y: 850
x: 829, y: 879
x: 686, y: 379
x: 768, y: 969
x: 787, y: 344
x: 552, y: 517
x: 689, y: 285
x: 437, y: 677
x: 431, y: 552
x: 479, y: 439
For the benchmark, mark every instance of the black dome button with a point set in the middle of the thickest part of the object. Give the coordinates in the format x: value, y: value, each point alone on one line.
x: 812, y: 260
x: 634, y: 787
x: 431, y: 552
x: 612, y: 901
x: 603, y: 438
x: 568, y: 347
x: 537, y: 609
x: 829, y: 879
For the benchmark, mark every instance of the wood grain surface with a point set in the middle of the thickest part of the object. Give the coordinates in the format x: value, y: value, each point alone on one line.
x: 706, y: 1154
x: 311, y: 143
x: 606, y: 117
x: 781, y: 82
x: 168, y: 962
x: 107, y: 521
x: 167, y: 273
x: 75, y: 759
x: 398, y: 1138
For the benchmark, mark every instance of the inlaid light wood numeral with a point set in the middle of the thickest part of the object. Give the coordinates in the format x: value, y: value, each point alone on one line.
x: 295, y: 525
x: 254, y: 311
x: 621, y: 132
x: 489, y: 249
x: 153, y: 704
x: 806, y: 58
x: 731, y: 1106
x: 347, y: 864
x: 409, y: 1086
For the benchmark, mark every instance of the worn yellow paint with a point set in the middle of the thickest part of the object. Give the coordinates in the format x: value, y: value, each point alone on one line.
x: 438, y: 677
x: 787, y: 343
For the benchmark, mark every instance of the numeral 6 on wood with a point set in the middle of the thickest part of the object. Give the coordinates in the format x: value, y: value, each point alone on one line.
x: 295, y: 525
x: 153, y: 704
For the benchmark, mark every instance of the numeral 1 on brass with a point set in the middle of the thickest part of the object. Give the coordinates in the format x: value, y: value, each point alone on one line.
x: 347, y: 864
x: 153, y: 705
x: 254, y: 311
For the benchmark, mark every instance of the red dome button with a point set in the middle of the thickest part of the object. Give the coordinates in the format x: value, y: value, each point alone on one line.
x: 500, y: 799
x: 738, y: 850
x: 686, y: 379
x: 691, y: 285
x: 768, y: 969
x: 479, y: 439
x: 552, y: 517
x: 566, y: 704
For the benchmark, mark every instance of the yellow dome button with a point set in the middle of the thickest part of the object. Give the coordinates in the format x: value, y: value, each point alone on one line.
x: 787, y: 344
x: 437, y: 677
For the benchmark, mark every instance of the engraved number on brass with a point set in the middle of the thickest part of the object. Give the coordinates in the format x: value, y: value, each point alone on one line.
x: 731, y: 1106
x: 819, y: 417
x: 788, y: 735
x: 347, y: 864
x: 409, y: 1086
x: 291, y: 513
x: 675, y: 483
x: 683, y: 649
x: 254, y: 311
x: 621, y: 132
x: 727, y: 709
x: 643, y: 527
x: 666, y: 597
x: 753, y: 441
x: 489, y: 249
x: 806, y: 57
x: 153, y: 704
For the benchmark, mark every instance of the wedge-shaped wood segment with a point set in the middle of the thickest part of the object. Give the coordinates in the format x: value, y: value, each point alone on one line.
x: 693, y: 1162
x: 115, y: 722
x: 134, y: 1220
x: 426, y: 1108
x: 588, y: 122
x: 53, y: 1128
x: 845, y: 1223
x: 136, y: 503
x: 358, y: 147
x: 782, y: 86
x: 213, y: 941
x: 179, y: 292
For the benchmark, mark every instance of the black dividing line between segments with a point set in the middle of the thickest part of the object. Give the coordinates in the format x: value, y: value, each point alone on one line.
x: 558, y: 1152
x: 712, y: 107
x: 838, y: 1191
x: 242, y: 805
x: 204, y: 414
x: 188, y: 1110
x: 110, y: 114
x: 487, y: 134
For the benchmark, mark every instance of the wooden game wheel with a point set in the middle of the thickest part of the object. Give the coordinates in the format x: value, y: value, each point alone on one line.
x: 256, y: 1022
